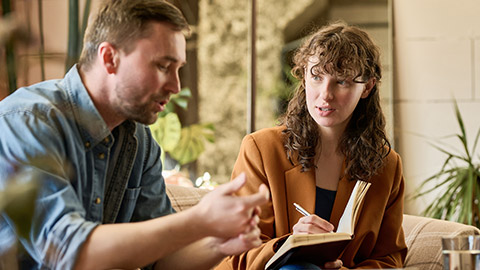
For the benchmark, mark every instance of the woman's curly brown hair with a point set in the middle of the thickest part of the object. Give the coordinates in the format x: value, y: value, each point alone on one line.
x: 343, y: 51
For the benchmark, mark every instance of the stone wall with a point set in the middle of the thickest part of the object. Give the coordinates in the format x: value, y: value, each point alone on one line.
x: 223, y: 72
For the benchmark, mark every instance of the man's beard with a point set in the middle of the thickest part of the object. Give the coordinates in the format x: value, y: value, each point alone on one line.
x: 143, y: 116
x: 141, y: 113
x: 138, y: 113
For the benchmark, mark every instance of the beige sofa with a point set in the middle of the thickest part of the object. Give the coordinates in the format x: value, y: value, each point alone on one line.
x: 422, y: 234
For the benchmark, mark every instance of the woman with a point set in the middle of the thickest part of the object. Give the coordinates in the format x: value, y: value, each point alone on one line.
x: 332, y: 134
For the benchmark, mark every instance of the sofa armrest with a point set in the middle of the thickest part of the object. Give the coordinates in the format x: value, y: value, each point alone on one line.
x: 183, y: 198
x: 423, y: 237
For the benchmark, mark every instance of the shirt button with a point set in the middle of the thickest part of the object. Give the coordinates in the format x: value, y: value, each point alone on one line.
x: 87, y: 144
x: 101, y: 156
x: 106, y: 140
x: 98, y: 200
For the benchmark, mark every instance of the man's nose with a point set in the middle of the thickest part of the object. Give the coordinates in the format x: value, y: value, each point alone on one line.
x: 173, y: 83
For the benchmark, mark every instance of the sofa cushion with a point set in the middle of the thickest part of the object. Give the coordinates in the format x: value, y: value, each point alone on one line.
x: 423, y: 237
x: 183, y: 198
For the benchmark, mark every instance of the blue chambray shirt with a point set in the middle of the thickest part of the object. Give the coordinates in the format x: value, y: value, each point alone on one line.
x: 89, y: 175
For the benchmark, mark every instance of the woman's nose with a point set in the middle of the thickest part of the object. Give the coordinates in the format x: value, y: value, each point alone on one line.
x: 326, y: 90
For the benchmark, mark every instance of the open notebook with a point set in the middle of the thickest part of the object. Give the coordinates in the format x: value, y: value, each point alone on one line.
x: 323, y: 247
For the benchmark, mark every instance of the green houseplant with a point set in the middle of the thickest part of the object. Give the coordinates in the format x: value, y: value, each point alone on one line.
x: 183, y: 144
x: 458, y: 181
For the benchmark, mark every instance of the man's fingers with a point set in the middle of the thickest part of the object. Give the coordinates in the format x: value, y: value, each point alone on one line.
x: 254, y: 220
x: 252, y: 235
x: 257, y: 211
x: 232, y: 186
x: 258, y: 198
x: 263, y: 189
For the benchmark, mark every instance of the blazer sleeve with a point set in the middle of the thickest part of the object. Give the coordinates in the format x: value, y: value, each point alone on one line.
x: 250, y: 161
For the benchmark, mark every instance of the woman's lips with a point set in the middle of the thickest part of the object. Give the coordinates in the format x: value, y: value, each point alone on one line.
x: 325, y: 111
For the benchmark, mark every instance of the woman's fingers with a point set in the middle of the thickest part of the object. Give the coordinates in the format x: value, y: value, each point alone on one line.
x: 312, y: 224
x: 333, y: 265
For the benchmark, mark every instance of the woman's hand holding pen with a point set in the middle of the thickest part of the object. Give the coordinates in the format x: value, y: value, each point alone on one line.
x: 309, y: 223
x: 312, y: 224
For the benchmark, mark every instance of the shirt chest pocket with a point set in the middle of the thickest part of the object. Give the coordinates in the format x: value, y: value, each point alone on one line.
x: 128, y: 204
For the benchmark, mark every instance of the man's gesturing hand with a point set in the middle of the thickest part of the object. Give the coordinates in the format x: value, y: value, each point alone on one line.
x: 225, y: 215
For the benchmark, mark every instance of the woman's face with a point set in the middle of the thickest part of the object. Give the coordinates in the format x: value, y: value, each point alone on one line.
x: 331, y: 100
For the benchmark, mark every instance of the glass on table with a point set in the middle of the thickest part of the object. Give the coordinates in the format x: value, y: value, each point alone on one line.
x: 461, y: 252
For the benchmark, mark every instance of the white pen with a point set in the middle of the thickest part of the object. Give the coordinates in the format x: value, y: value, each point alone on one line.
x: 301, y: 210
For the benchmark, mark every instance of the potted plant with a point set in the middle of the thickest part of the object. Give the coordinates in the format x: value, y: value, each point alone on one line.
x: 457, y: 182
x: 183, y: 144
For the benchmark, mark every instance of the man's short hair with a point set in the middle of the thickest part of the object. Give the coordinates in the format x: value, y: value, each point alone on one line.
x: 122, y: 22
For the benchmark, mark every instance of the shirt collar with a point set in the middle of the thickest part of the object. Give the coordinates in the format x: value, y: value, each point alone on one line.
x: 90, y: 123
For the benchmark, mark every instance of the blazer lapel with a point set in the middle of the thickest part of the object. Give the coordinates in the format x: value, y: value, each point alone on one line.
x: 300, y: 189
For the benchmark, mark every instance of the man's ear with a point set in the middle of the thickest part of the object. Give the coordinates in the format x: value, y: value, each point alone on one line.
x: 108, y: 56
x: 368, y: 87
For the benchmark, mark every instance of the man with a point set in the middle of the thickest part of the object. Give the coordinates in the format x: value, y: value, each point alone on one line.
x: 102, y: 202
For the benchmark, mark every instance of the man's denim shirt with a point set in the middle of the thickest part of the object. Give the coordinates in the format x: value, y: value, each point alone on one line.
x: 89, y: 174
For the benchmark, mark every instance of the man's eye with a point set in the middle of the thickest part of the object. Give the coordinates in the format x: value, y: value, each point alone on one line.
x: 162, y: 67
x: 316, y: 78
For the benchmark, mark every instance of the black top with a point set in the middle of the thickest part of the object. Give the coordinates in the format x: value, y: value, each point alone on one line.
x: 324, y: 202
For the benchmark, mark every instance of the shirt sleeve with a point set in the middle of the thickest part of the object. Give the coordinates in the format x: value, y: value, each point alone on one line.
x: 32, y: 142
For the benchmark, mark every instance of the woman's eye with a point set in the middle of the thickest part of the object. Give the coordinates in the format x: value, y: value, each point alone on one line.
x: 343, y: 82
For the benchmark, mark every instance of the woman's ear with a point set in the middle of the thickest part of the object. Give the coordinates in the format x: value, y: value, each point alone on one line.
x: 368, y: 87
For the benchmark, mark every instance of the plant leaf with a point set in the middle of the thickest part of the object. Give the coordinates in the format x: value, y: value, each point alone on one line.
x: 192, y: 143
x: 181, y: 98
x: 458, y: 185
x: 167, y: 131
x: 475, y: 141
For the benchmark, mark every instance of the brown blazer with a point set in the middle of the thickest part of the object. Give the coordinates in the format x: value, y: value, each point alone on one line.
x: 379, y: 240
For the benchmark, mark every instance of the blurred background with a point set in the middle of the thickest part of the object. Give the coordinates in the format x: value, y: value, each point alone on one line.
x: 430, y: 56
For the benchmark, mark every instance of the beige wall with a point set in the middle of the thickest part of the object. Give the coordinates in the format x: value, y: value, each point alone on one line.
x: 437, y: 57
x: 55, y: 24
